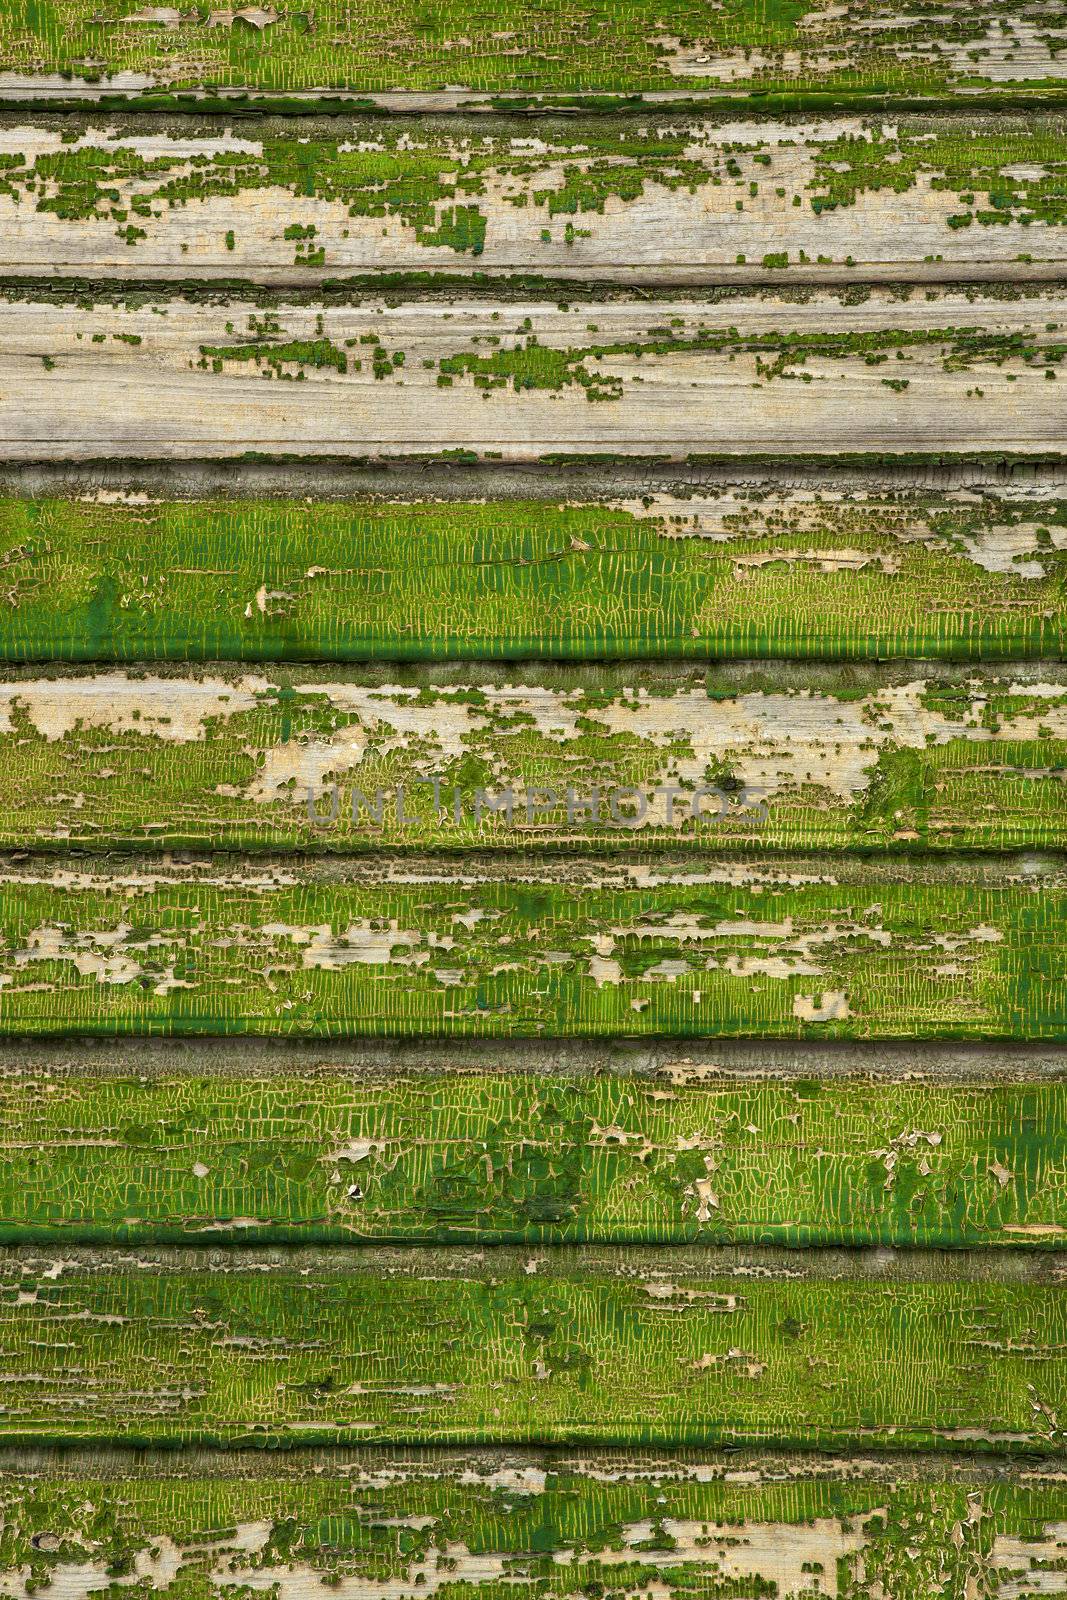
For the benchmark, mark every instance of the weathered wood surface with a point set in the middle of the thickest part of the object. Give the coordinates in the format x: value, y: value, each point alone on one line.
x: 410, y: 1346
x: 659, y: 200
x: 870, y: 274
x: 517, y: 945
x: 374, y: 1524
x: 901, y: 371
x: 402, y: 52
x: 239, y: 1142
x: 909, y: 757
x: 752, y: 568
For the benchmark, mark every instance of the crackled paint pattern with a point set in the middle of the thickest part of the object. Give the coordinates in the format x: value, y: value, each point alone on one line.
x: 516, y: 945
x: 862, y: 278
x: 598, y: 1346
x: 69, y: 50
x: 903, y: 757
x: 751, y: 1145
x: 902, y: 372
x: 379, y: 1524
x: 656, y: 200
x: 739, y: 571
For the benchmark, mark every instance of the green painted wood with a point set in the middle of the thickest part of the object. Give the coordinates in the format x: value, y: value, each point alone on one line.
x: 516, y: 945
x: 546, y: 1144
x: 879, y: 374
x: 867, y: 570
x: 392, y: 51
x: 584, y: 1346
x: 663, y: 199
x: 486, y: 1523
x: 908, y: 757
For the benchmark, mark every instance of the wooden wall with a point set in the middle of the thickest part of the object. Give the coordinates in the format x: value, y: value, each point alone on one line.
x: 533, y: 800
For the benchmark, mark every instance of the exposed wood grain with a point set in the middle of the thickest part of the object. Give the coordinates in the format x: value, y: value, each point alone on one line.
x: 517, y: 945
x: 742, y: 1144
x: 827, y: 568
x: 841, y: 284
x: 660, y: 200
x: 907, y: 757
x: 73, y: 50
x: 407, y: 1346
x: 379, y: 1523
x: 901, y: 371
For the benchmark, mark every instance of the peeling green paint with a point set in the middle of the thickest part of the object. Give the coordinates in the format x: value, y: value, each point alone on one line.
x: 736, y: 574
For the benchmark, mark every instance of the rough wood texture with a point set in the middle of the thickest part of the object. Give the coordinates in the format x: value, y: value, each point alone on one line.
x: 667, y: 281
x: 402, y: 52
x: 829, y: 567
x: 908, y: 757
x: 373, y: 1524
x: 706, y: 1347
x: 902, y: 371
x: 514, y: 945
x: 166, y: 1143
x: 658, y: 200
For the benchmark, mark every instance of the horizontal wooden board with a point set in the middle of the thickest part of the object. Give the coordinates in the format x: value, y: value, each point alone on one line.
x: 415, y: 1346
x: 909, y: 757
x: 517, y: 945
x: 750, y: 568
x: 904, y: 371
x: 659, y: 200
x: 373, y: 1523
x: 77, y: 49
x: 229, y: 1143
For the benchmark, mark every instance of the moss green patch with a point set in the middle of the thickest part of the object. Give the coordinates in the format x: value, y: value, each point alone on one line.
x: 1003, y: 177
x: 532, y: 366
x: 278, y: 356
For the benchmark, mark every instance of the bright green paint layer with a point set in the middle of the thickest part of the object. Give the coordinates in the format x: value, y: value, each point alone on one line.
x: 274, y: 579
x: 505, y: 946
x: 600, y: 45
x: 593, y: 1346
x: 496, y: 1525
x: 905, y: 757
x: 607, y: 1157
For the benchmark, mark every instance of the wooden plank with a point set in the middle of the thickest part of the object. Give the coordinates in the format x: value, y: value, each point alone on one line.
x: 399, y: 52
x: 597, y: 1346
x: 730, y: 374
x: 906, y: 757
x: 755, y: 567
x: 658, y: 200
x: 484, y: 1522
x: 743, y: 1144
x: 518, y: 945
